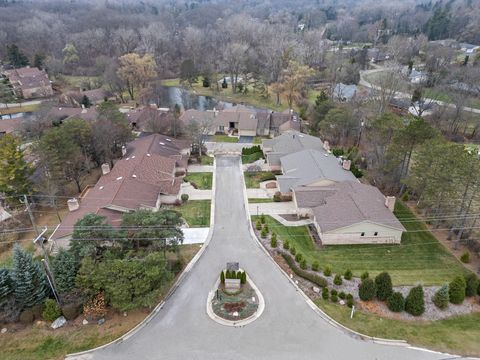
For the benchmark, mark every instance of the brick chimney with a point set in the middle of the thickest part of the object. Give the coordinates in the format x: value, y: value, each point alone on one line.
x: 346, y: 164
x: 105, y: 168
x: 390, y: 203
x: 73, y: 204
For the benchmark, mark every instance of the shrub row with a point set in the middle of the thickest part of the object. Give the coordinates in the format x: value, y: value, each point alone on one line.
x: 318, y: 280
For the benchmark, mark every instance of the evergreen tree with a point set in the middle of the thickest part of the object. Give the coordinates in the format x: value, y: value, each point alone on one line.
x: 384, y: 286
x: 472, y: 282
x: 30, y: 283
x: 86, y: 101
x: 367, y: 290
x: 14, y: 170
x: 415, y: 303
x: 6, y: 288
x: 15, y: 57
x: 38, y: 60
x: 65, y: 267
x: 457, y: 290
x: 441, y: 297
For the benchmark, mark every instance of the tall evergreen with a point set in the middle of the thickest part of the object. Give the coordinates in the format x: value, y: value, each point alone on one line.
x: 65, y: 267
x: 30, y: 282
x: 6, y: 288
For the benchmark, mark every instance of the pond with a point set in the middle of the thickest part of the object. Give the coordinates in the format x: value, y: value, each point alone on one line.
x: 14, y: 116
x: 168, y: 96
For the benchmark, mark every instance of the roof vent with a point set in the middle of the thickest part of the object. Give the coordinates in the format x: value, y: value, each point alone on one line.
x: 161, y: 143
x: 120, y: 178
x: 168, y: 139
x: 101, y: 187
x: 127, y: 159
x: 149, y: 155
x: 134, y: 176
x: 133, y: 157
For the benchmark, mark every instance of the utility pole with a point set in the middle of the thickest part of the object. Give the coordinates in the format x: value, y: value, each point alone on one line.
x: 40, y: 239
x: 30, y: 214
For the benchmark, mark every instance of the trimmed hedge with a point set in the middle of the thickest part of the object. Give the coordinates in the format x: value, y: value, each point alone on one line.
x: 315, y: 265
x: 415, y: 302
x: 327, y: 271
x: 318, y: 280
x: 325, y: 293
x: 396, y: 302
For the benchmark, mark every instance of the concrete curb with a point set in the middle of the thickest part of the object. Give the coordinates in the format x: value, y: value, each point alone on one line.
x: 181, y: 277
x: 239, y: 323
x: 312, y: 305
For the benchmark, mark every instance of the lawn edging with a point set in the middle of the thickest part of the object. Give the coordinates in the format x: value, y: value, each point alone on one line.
x: 310, y: 303
x: 172, y: 290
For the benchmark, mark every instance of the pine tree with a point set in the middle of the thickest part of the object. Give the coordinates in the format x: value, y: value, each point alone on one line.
x: 30, y: 283
x: 6, y: 288
x: 384, y: 286
x: 65, y: 267
x: 441, y: 297
x: 415, y: 303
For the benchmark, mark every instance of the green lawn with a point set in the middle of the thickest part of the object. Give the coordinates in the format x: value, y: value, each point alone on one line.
x: 419, y: 258
x: 200, y: 180
x: 259, y: 200
x: 253, y: 179
x: 457, y: 334
x: 225, y: 138
x: 257, y: 140
x: 248, y: 159
x: 206, y: 160
x: 195, y: 212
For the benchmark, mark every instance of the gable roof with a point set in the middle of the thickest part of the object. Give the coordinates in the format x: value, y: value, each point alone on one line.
x: 346, y: 203
x: 289, y: 142
x: 28, y: 78
x: 343, y: 91
x: 308, y: 166
x: 136, y: 180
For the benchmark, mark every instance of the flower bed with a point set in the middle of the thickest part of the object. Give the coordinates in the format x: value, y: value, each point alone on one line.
x: 237, y: 306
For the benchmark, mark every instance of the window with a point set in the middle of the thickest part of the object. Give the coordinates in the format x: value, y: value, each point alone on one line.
x: 375, y: 233
x: 222, y: 128
x: 362, y: 234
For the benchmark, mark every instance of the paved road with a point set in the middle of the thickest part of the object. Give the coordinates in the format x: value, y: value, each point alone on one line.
x: 288, y: 329
x: 368, y: 84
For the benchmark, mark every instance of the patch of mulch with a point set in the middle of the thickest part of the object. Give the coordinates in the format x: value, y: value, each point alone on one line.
x: 234, y: 306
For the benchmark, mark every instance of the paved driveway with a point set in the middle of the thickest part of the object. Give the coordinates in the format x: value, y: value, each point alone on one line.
x: 288, y: 329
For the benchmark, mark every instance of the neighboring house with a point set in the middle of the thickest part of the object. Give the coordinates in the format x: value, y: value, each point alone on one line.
x: 469, y: 49
x: 400, y: 106
x: 10, y: 124
x: 96, y: 96
x: 29, y: 82
x: 243, y: 121
x: 149, y: 174
x: 312, y: 167
x: 4, y: 214
x: 349, y: 213
x: 417, y: 77
x: 376, y: 55
x: 288, y: 143
x: 58, y: 114
x: 343, y: 93
x: 139, y: 118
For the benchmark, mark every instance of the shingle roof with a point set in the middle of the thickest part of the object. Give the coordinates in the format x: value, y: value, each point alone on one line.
x: 28, y: 78
x: 308, y: 166
x: 346, y: 203
x: 289, y: 142
x: 135, y: 181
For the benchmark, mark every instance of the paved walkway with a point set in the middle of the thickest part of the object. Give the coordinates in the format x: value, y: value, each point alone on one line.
x: 272, y: 208
x: 194, y: 235
x: 282, y: 221
x: 195, y: 194
x: 199, y: 168
x: 288, y: 329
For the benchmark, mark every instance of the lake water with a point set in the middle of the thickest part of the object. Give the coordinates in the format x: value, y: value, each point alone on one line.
x: 168, y: 96
x: 13, y: 116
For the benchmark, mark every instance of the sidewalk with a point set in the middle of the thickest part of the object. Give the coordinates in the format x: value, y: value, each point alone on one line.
x: 199, y: 168
x: 195, y: 235
x: 284, y: 222
x: 195, y: 194
x: 275, y: 208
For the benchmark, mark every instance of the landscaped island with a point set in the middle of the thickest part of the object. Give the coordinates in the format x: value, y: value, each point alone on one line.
x: 235, y: 300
